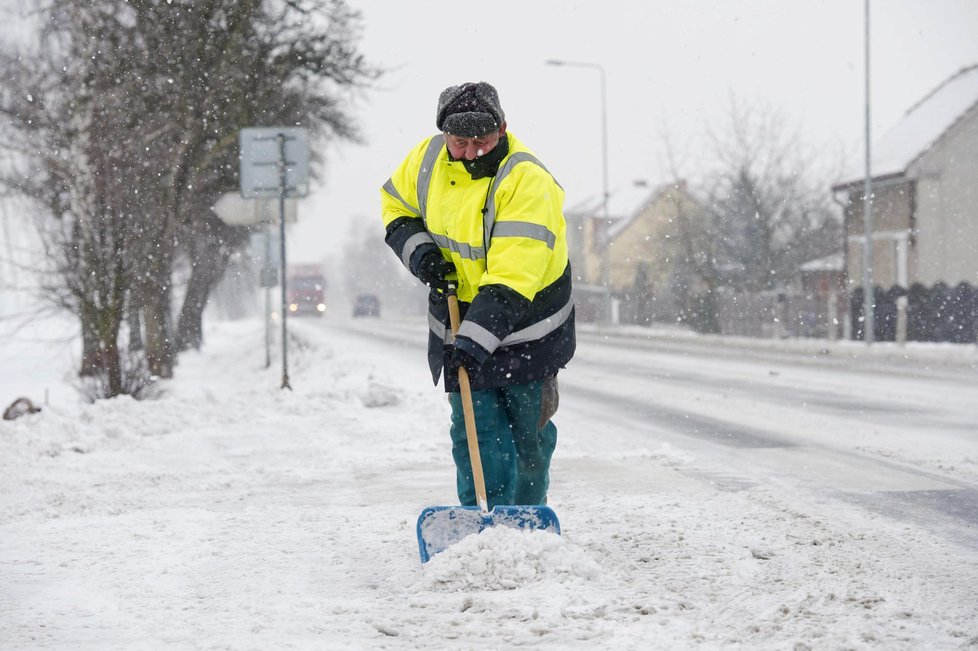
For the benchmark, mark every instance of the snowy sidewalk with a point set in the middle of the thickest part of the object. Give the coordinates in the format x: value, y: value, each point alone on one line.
x: 232, y: 514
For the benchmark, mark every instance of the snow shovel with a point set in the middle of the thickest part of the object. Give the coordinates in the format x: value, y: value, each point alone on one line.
x: 439, y: 527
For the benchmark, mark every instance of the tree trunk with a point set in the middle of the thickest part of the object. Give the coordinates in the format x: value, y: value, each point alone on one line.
x: 190, y: 330
x: 112, y: 365
x: 100, y: 350
x: 158, y: 332
x: 91, y: 358
x: 205, y: 274
x: 135, y: 327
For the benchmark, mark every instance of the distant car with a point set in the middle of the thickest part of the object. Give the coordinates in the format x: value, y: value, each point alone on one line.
x: 366, y: 305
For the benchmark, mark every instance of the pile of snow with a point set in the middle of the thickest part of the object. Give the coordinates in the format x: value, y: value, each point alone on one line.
x: 503, y: 558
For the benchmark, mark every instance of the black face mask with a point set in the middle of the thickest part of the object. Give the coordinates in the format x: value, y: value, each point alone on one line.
x: 488, y: 164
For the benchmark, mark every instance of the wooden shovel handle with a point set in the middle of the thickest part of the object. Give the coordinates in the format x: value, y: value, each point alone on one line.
x: 471, y: 435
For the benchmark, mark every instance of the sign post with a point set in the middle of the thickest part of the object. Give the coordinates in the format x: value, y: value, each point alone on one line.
x: 275, y: 164
x: 233, y: 209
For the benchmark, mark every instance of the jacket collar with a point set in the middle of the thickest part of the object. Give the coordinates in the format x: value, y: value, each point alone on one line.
x: 487, y: 165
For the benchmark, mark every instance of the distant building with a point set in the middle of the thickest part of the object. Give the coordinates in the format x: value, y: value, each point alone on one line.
x: 822, y: 276
x: 633, y: 253
x: 925, y: 193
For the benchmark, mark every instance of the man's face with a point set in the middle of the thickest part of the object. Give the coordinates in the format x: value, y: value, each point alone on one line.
x: 462, y: 148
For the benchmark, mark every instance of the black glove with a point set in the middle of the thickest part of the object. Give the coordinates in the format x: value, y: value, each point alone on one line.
x: 432, y: 270
x: 460, y: 358
x: 468, y: 354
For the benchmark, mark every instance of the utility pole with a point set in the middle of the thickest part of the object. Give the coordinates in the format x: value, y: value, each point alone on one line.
x: 868, y: 302
x: 275, y: 165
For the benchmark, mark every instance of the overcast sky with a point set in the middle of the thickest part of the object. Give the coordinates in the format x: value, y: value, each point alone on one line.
x: 670, y: 66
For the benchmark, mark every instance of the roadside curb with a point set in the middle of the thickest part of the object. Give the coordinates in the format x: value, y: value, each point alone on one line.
x: 959, y: 355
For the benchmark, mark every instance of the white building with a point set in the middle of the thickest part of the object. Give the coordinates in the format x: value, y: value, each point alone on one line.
x: 925, y: 193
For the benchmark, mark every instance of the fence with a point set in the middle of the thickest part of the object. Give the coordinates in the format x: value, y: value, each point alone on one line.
x: 761, y: 314
x: 773, y: 314
x: 938, y: 314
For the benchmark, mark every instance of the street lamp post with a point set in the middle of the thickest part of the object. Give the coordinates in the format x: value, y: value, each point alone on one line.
x: 869, y: 322
x: 604, y: 170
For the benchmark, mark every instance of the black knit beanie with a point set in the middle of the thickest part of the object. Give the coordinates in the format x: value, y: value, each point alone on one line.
x: 469, y: 110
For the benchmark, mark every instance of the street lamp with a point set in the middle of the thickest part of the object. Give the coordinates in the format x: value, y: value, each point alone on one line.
x: 604, y: 123
x: 604, y: 168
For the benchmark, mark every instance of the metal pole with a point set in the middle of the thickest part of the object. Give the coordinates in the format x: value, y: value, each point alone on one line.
x: 266, y: 267
x: 604, y: 139
x: 285, y: 305
x: 868, y: 303
x: 606, y: 253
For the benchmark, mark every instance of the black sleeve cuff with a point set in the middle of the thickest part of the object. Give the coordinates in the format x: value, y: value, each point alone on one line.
x: 468, y: 346
x: 400, y: 231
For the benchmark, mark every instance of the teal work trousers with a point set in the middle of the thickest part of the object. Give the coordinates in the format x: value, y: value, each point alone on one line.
x: 515, y: 451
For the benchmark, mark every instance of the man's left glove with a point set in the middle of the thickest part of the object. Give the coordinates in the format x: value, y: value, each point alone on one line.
x: 433, y: 268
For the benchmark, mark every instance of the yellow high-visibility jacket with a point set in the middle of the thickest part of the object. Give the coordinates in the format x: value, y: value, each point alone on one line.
x: 506, y: 237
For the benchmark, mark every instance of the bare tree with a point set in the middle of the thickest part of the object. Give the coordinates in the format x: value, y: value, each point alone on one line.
x: 124, y: 125
x: 219, y: 66
x: 695, y: 275
x: 767, y: 209
x: 768, y: 195
x: 64, y: 125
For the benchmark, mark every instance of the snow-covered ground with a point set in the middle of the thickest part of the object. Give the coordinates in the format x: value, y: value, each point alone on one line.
x: 231, y: 514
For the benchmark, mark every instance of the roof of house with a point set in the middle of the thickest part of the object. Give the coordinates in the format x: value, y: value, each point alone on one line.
x: 831, y: 262
x: 923, y: 125
x: 622, y: 203
x: 640, y: 199
x: 624, y: 206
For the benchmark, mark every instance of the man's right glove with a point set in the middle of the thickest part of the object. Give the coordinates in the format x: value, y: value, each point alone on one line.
x: 467, y: 353
x: 432, y: 269
x: 460, y: 358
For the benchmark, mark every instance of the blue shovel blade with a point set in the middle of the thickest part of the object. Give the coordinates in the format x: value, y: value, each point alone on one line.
x: 440, y: 527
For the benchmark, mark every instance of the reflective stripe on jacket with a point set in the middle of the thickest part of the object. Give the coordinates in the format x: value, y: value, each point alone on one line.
x: 506, y: 231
